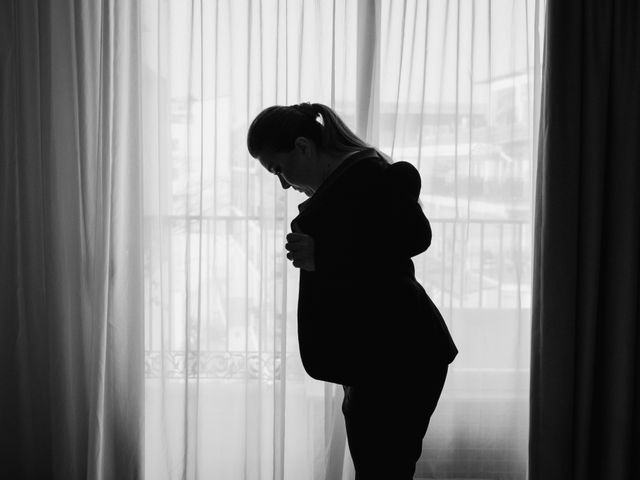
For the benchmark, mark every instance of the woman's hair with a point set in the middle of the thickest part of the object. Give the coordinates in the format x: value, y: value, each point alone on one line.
x: 276, y: 128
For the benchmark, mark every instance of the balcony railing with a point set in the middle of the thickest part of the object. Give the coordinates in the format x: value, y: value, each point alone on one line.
x: 471, y: 266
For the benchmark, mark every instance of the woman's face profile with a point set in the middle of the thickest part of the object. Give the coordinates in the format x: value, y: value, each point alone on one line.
x: 295, y: 168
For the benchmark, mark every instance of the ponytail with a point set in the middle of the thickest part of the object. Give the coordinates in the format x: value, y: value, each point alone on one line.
x: 338, y: 137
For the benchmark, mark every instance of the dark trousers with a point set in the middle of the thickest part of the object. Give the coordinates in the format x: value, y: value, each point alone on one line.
x: 385, y: 427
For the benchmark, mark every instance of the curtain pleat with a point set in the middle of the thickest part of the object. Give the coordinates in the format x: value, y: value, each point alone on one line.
x: 585, y: 381
x: 25, y: 432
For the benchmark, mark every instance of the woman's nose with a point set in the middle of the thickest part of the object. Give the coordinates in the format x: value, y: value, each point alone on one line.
x: 284, y: 183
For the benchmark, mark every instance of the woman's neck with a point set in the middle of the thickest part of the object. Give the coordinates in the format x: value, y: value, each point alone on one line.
x: 332, y: 162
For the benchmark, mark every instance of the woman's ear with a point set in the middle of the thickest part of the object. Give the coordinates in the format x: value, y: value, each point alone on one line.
x: 304, y: 146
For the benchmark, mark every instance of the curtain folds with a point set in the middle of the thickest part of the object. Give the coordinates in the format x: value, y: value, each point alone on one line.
x: 585, y: 381
x: 70, y: 217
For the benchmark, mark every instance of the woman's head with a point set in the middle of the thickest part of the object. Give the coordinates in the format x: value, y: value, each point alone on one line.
x: 294, y: 141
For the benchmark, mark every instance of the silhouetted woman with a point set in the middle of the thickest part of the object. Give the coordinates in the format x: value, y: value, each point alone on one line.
x: 363, y: 319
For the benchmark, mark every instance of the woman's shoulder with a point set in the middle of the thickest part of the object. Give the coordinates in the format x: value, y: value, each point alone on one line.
x: 380, y: 172
x: 403, y: 177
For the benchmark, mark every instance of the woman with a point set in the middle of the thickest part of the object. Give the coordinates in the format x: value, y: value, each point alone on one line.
x: 363, y: 319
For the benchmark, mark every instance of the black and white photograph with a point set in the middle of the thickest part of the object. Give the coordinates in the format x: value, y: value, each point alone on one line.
x: 319, y: 240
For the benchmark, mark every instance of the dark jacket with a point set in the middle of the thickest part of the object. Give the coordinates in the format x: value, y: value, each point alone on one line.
x: 362, y: 315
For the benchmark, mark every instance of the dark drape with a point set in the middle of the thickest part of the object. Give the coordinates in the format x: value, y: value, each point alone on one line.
x: 25, y: 426
x: 585, y: 365
x: 71, y: 338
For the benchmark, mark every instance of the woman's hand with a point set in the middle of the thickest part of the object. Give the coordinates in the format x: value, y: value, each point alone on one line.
x: 301, y: 250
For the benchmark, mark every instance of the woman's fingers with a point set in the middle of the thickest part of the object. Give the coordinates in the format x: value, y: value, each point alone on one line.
x: 299, y: 255
x: 294, y: 247
x: 296, y: 237
x: 297, y: 241
x: 300, y: 248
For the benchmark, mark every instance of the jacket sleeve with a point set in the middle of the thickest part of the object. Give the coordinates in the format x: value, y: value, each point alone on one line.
x: 387, y: 225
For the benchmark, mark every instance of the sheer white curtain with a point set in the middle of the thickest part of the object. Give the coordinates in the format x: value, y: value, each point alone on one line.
x: 449, y: 86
